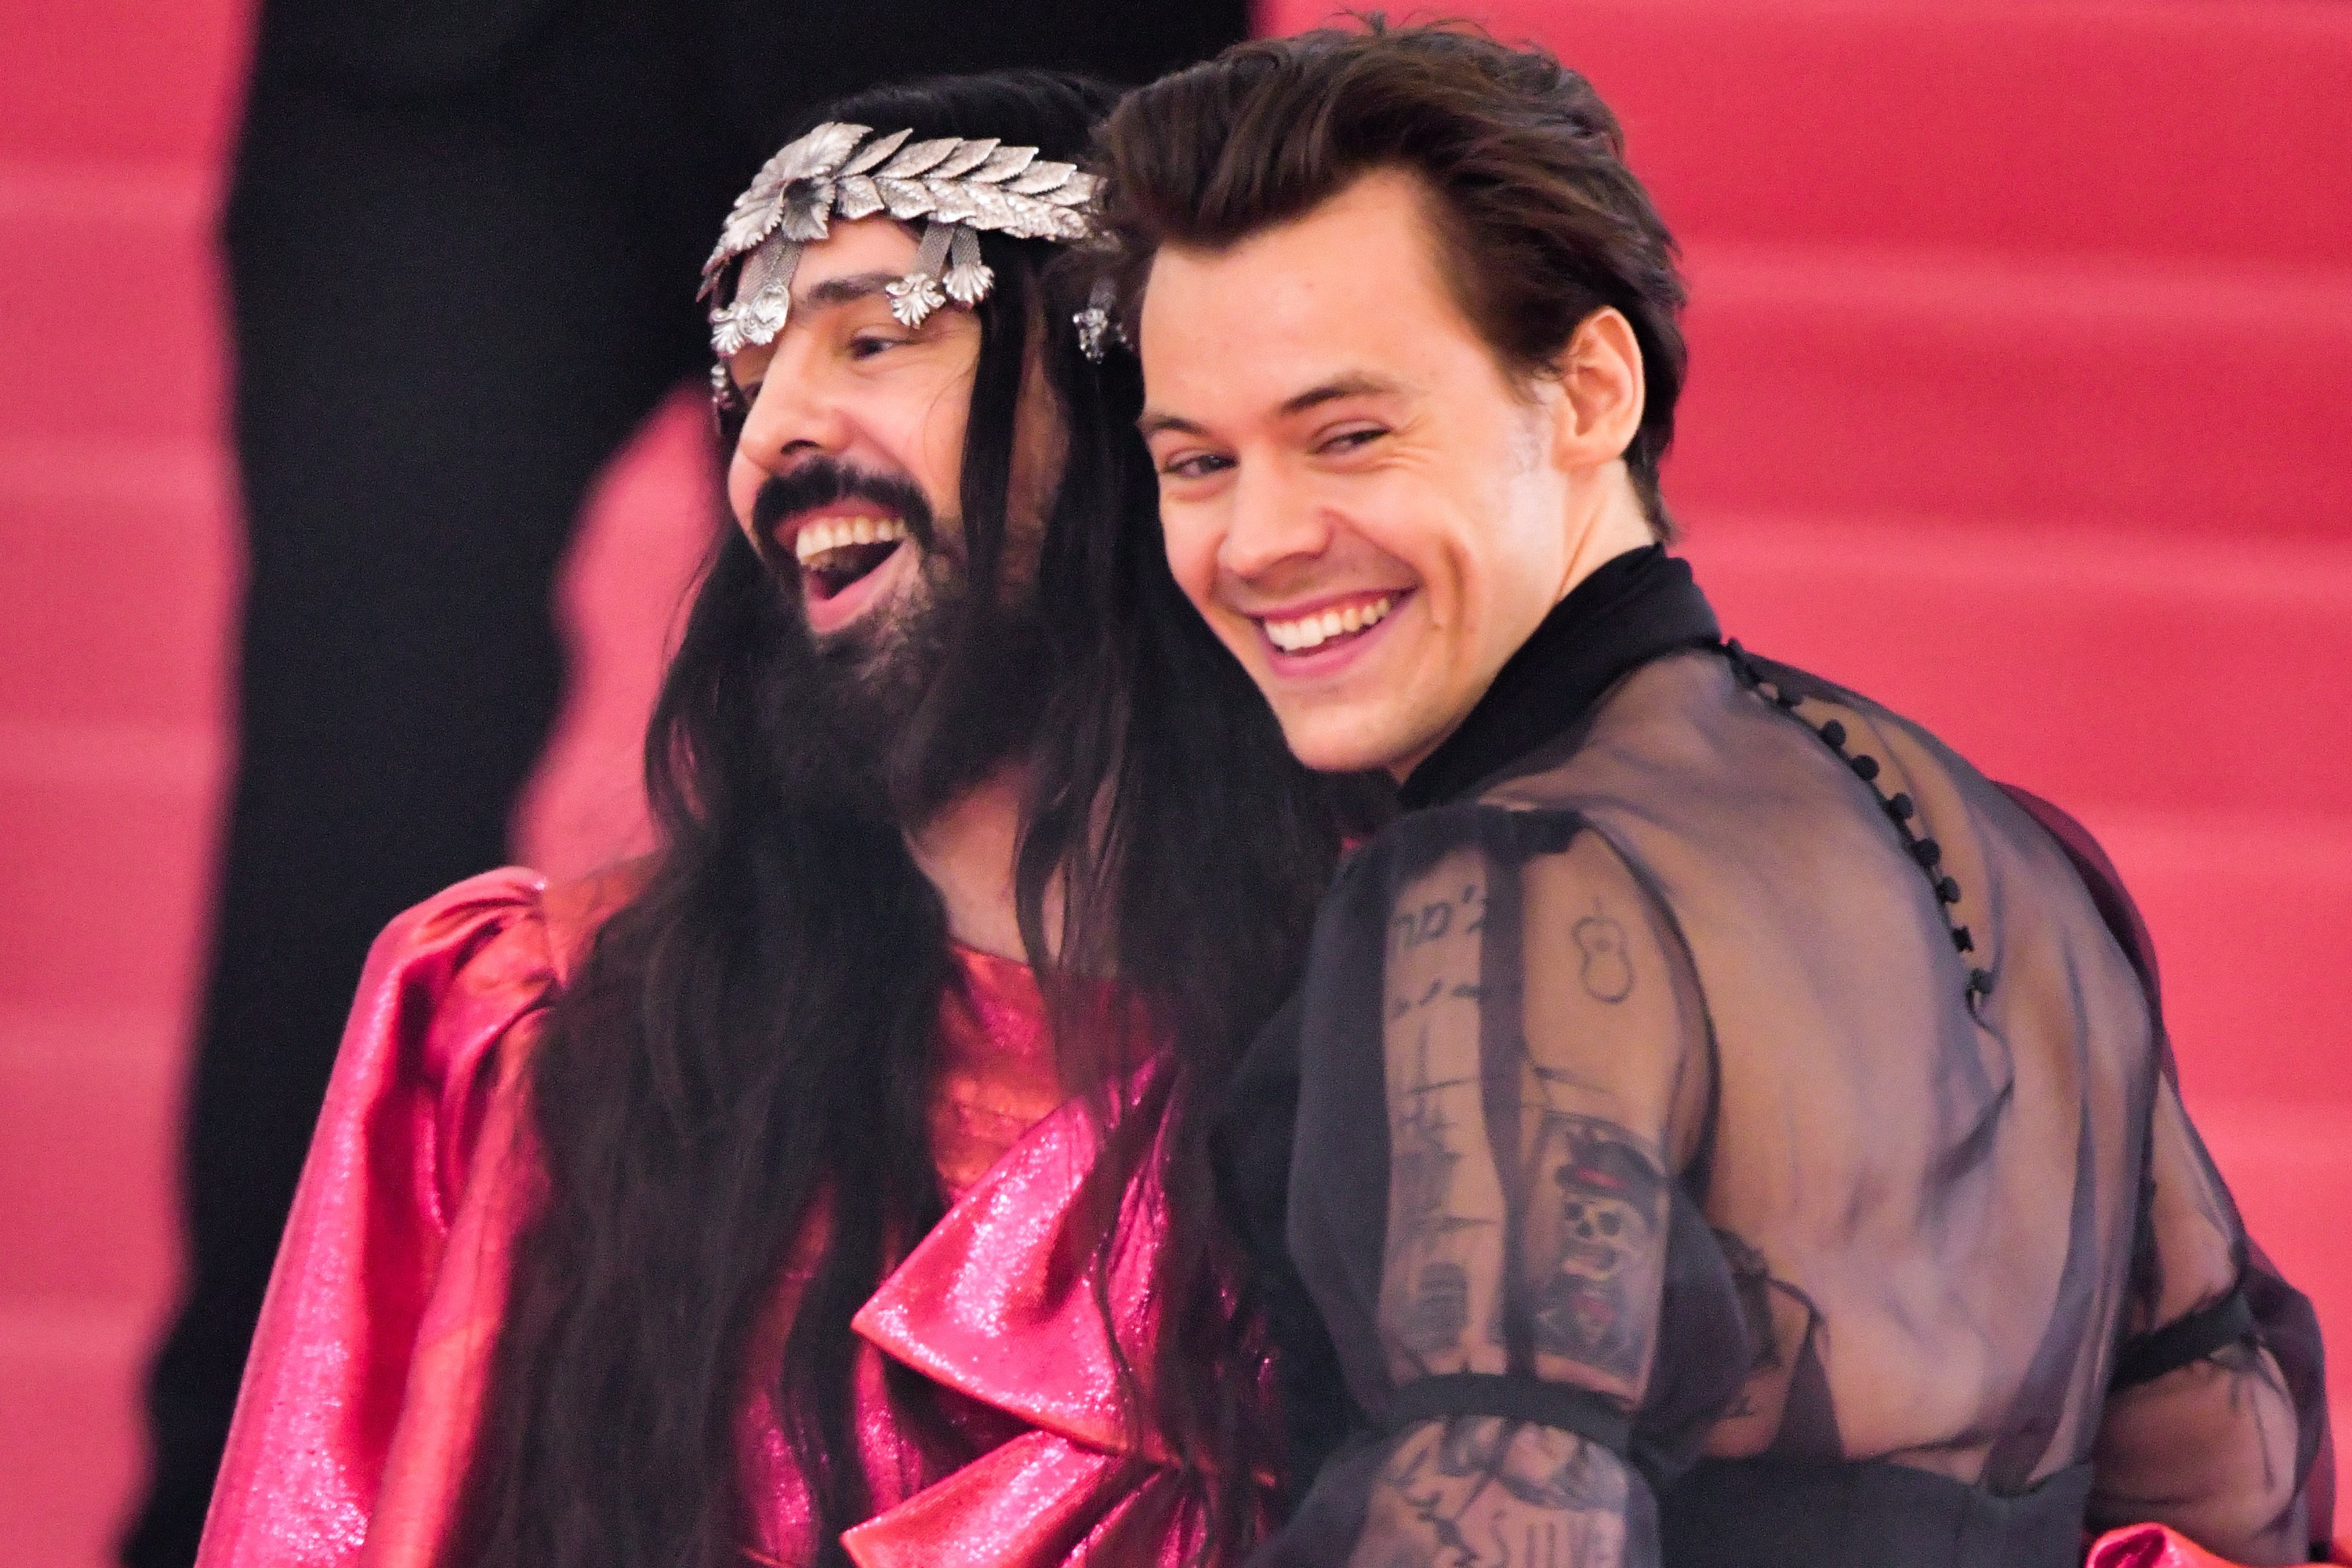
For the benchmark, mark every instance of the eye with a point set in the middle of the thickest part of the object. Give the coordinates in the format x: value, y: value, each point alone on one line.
x: 1195, y: 466
x: 1342, y: 442
x: 866, y: 345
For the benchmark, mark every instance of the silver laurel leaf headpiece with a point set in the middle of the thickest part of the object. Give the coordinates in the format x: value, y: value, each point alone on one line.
x: 957, y: 188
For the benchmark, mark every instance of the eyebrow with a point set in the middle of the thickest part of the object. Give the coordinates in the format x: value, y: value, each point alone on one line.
x: 843, y: 290
x: 1354, y: 384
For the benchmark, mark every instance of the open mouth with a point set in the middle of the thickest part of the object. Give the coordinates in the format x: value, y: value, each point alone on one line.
x: 1334, y: 624
x: 836, y: 552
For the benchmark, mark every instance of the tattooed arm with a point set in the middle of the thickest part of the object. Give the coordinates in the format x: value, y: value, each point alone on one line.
x: 1546, y: 1068
x: 1485, y: 1490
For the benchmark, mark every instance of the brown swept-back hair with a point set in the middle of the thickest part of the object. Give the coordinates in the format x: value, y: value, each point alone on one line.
x: 1540, y: 219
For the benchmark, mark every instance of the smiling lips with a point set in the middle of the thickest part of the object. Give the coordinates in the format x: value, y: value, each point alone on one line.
x: 1304, y: 634
x: 835, y: 552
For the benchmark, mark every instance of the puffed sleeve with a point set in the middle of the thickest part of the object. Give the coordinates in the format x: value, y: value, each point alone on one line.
x: 2216, y: 1417
x: 1506, y: 1073
x: 350, y: 1359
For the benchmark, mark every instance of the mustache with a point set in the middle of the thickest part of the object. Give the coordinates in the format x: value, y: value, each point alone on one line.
x: 822, y: 482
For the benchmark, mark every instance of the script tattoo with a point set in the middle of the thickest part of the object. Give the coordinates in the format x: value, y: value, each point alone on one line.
x: 1445, y: 1208
x: 1477, y: 1491
x: 1593, y: 1249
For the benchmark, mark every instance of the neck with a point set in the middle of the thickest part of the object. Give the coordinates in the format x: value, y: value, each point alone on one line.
x: 1614, y: 525
x: 967, y: 852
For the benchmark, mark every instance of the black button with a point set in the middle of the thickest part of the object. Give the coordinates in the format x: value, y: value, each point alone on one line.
x: 1926, y: 851
x: 1900, y: 807
x: 1948, y: 891
x: 1866, y: 767
x: 1834, y: 733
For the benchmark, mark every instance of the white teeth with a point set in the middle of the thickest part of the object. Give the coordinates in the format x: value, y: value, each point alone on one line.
x: 841, y: 533
x: 1314, y: 631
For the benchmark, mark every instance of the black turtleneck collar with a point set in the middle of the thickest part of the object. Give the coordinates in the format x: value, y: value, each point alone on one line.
x: 1643, y: 604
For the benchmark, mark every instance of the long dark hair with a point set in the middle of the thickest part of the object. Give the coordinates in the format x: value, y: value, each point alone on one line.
x: 746, y: 1048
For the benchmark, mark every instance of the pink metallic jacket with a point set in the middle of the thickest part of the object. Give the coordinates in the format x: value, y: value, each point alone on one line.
x: 366, y: 1384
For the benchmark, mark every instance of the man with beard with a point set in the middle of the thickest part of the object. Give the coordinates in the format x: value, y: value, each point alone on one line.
x: 421, y: 403
x: 810, y: 1193
x: 1718, y: 1126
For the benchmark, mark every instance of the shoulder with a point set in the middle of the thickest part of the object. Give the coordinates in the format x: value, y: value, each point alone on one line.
x: 453, y: 974
x: 576, y: 910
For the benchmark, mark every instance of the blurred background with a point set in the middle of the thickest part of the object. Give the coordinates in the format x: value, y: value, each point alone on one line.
x: 2022, y: 396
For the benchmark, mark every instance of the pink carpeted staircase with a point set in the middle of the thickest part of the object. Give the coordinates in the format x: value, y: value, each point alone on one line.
x: 2022, y: 357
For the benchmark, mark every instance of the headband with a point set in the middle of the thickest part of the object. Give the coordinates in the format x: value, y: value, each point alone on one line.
x: 958, y: 188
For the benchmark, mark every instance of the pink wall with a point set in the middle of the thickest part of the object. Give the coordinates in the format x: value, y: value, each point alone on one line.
x: 2021, y: 335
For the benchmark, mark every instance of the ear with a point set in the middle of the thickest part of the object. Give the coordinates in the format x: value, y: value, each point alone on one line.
x: 1602, y: 392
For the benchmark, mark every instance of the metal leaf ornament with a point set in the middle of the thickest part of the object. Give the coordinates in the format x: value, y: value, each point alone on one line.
x: 761, y: 208
x: 958, y: 187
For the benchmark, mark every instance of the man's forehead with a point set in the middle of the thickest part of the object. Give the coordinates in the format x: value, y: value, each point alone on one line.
x: 1374, y: 237
x: 857, y: 260
x: 1337, y: 302
x: 1292, y: 390
x: 854, y: 249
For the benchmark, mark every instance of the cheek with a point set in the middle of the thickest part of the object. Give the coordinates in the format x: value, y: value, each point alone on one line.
x: 933, y: 453
x: 743, y: 481
x: 1189, y: 536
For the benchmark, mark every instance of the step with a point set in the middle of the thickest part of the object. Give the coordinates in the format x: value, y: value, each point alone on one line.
x: 108, y: 283
x: 2094, y: 666
x: 106, y: 862
x: 87, y: 1168
x: 70, y: 1434
x: 2201, y: 130
x: 1856, y: 383
x: 121, y: 78
x: 2248, y: 915
x: 130, y: 549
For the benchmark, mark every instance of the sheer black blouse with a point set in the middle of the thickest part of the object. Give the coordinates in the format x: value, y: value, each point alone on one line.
x: 1714, y: 1078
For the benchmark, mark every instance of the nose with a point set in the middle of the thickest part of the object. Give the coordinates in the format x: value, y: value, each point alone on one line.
x: 795, y: 415
x: 1275, y: 519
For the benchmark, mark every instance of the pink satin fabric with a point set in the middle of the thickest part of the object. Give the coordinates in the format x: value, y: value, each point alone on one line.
x: 366, y: 1384
x: 2154, y: 1546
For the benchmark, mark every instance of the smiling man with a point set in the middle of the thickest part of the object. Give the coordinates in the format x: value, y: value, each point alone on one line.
x: 808, y: 1193
x: 1782, y: 1162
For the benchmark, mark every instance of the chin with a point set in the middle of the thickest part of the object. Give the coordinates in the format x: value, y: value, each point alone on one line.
x: 1340, y: 743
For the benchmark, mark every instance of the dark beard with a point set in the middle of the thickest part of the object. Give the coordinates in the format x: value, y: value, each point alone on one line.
x: 923, y: 700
